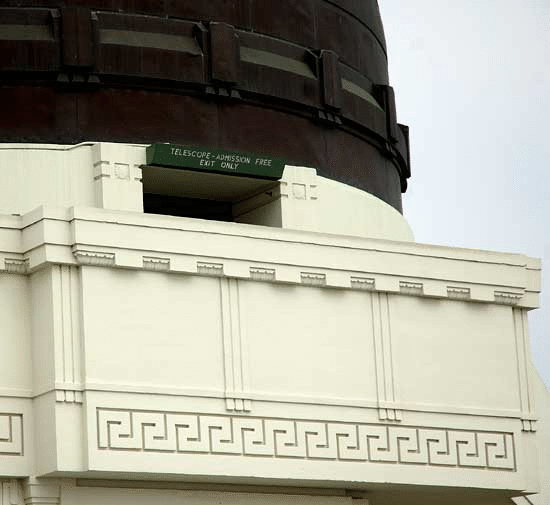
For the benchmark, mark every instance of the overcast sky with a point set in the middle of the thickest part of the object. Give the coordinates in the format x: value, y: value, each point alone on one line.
x: 472, y: 80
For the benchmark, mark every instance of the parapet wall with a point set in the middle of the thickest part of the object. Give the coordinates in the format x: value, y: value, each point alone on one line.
x: 115, y: 176
x: 311, y: 349
x: 138, y: 346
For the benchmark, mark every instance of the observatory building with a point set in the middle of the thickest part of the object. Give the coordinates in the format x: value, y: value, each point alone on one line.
x: 209, y: 294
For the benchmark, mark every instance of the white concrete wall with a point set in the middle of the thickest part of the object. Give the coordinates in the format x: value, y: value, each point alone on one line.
x: 154, y: 352
x: 38, y: 174
x: 144, y: 346
x: 15, y: 330
x: 109, y: 176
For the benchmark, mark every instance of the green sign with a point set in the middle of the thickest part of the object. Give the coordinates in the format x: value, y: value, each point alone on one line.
x: 216, y: 161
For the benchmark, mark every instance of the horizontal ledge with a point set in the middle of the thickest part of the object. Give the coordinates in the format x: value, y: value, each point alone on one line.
x: 199, y: 486
x: 163, y: 41
x: 277, y: 398
x: 26, y: 32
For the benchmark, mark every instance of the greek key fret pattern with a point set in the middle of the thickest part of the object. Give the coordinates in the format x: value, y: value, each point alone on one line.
x: 11, y: 435
x: 129, y: 430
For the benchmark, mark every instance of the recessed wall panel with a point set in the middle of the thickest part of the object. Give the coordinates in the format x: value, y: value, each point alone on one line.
x: 309, y: 342
x: 15, y: 354
x: 147, y: 328
x: 454, y: 354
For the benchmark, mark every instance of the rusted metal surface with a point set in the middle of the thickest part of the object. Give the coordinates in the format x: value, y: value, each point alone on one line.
x: 78, y: 41
x: 331, y: 79
x: 225, y: 53
x: 301, y: 79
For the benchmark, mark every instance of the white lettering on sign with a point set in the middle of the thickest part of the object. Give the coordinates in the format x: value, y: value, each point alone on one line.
x: 207, y: 159
x: 197, y: 157
x: 264, y: 162
x: 233, y: 158
x: 176, y: 151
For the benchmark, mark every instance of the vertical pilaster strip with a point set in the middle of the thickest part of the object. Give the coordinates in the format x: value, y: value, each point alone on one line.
x: 331, y: 80
x: 10, y: 492
x: 57, y: 323
x: 76, y: 314
x: 66, y: 321
x: 14, y: 492
x: 522, y: 379
x: 78, y: 48
x: 388, y: 98
x: 236, y: 341
x: 225, y: 54
x: 67, y: 332
x: 243, y: 350
x: 378, y: 352
x: 383, y: 357
x: 227, y: 344
x: 389, y: 376
x: 235, y: 370
x: 4, y: 493
x: 523, y: 370
x: 528, y: 368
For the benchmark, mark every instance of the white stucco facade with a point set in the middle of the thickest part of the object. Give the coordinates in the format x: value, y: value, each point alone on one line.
x: 312, y: 352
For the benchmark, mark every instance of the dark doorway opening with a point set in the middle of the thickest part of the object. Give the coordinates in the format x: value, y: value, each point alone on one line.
x: 187, y: 207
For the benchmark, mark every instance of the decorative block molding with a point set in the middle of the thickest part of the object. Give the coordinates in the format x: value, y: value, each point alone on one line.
x: 94, y: 258
x: 411, y: 288
x: 11, y: 434
x: 299, y: 191
x: 363, y: 283
x: 262, y: 274
x: 117, y: 176
x: 506, y: 298
x: 122, y: 171
x: 528, y: 425
x: 16, y: 266
x: 68, y: 396
x: 214, y: 269
x: 306, y: 189
x: 106, y: 169
x: 156, y: 264
x: 313, y: 279
x: 457, y: 293
x: 391, y: 415
x: 185, y: 433
x: 234, y: 348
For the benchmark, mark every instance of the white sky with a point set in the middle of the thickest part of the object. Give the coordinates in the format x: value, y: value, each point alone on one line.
x: 472, y: 80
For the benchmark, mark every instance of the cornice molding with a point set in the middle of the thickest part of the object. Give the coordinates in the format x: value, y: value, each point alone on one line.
x: 102, y: 238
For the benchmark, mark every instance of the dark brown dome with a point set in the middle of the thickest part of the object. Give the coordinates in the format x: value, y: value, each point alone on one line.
x: 305, y: 80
